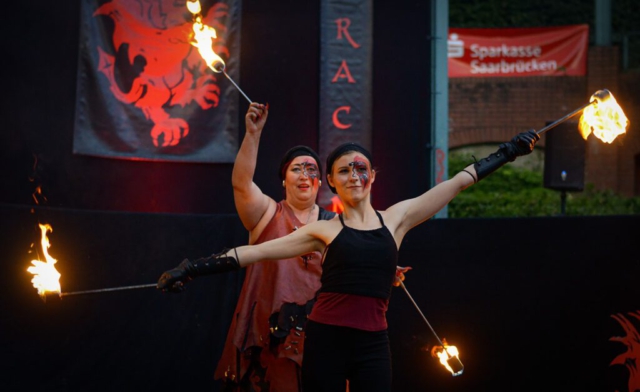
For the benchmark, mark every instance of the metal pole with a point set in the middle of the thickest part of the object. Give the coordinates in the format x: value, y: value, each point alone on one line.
x: 238, y: 87
x: 421, y: 314
x: 563, y: 119
x: 140, y: 286
x: 454, y: 362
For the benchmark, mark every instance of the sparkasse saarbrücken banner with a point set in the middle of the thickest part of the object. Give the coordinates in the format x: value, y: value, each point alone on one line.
x: 518, y: 52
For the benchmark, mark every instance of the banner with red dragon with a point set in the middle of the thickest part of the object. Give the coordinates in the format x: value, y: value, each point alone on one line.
x: 144, y: 91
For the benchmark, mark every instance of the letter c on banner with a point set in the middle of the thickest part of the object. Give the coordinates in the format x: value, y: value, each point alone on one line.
x: 337, y: 122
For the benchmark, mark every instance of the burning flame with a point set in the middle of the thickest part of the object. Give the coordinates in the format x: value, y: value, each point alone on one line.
x: 46, y: 277
x: 449, y: 356
x: 203, y: 37
x: 336, y: 205
x: 603, y: 117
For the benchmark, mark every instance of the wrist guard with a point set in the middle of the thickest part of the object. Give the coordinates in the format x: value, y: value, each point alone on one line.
x: 519, y: 145
x: 215, y: 264
x: 493, y: 162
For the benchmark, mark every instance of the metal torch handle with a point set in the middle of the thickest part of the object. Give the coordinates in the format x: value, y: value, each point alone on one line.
x: 563, y: 119
x: 421, y: 314
x: 140, y: 286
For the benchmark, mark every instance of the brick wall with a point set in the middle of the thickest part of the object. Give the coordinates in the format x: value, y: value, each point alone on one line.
x: 492, y: 110
x: 629, y: 145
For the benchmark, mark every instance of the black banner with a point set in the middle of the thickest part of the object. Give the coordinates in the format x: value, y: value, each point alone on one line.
x: 345, y: 76
x: 144, y: 91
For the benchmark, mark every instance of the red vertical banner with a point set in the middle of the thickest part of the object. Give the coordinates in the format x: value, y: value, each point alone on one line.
x: 517, y: 52
x: 345, y: 77
x: 144, y: 91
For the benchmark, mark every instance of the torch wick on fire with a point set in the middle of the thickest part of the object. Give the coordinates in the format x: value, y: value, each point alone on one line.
x: 602, y: 117
x: 451, y: 361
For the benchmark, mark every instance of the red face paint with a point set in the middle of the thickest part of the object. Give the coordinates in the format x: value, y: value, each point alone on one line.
x: 310, y: 170
x: 360, y: 169
x: 307, y: 168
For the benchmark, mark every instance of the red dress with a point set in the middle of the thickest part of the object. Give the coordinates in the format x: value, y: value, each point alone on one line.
x: 265, y: 340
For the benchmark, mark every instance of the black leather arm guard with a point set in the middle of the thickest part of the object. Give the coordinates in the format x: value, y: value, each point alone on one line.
x: 175, y: 279
x: 493, y: 162
x: 214, y: 264
x: 522, y: 144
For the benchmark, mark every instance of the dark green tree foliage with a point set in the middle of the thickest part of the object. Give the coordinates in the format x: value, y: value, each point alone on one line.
x: 523, y: 13
x: 545, y: 13
x: 517, y: 192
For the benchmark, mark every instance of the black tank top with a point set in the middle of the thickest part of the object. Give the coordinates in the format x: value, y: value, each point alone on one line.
x: 361, y: 262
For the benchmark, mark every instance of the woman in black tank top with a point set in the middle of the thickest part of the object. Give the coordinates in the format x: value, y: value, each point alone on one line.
x: 346, y: 344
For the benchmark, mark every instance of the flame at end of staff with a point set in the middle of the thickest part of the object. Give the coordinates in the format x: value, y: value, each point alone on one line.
x: 604, y: 118
x: 449, y: 358
x: 203, y: 38
x: 46, y: 278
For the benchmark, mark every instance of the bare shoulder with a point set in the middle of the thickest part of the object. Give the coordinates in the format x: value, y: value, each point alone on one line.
x: 396, y: 220
x: 324, y: 230
x: 393, y: 215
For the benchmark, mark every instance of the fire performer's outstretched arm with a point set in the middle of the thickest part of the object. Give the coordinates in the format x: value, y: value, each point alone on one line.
x: 307, y: 239
x: 174, y: 279
x: 521, y: 144
x: 405, y: 215
x: 315, y: 236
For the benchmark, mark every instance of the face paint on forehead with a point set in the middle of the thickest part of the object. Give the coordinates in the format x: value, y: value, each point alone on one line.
x: 360, y: 169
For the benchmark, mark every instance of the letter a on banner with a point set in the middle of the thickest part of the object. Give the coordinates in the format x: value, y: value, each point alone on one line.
x: 345, y: 77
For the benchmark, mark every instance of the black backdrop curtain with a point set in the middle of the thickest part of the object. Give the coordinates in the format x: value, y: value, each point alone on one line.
x: 132, y: 340
x: 529, y: 302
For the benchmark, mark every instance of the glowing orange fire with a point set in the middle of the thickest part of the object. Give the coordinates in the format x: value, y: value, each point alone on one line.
x: 336, y: 205
x: 603, y: 117
x: 203, y: 38
x: 46, y: 278
x: 448, y: 355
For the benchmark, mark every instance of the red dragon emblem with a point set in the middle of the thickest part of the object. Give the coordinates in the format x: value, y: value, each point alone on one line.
x: 155, y: 67
x: 631, y: 356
